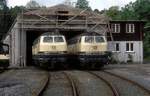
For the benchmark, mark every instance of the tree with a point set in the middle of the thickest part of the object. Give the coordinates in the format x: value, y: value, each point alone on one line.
x: 114, y: 12
x: 83, y: 4
x: 32, y: 5
x: 4, y: 18
x: 128, y: 12
x: 15, y: 11
x: 142, y: 8
x: 96, y: 11
x: 3, y: 4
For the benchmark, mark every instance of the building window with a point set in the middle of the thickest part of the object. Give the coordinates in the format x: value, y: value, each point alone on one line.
x: 117, y: 47
x: 130, y: 28
x: 129, y: 47
x: 115, y: 28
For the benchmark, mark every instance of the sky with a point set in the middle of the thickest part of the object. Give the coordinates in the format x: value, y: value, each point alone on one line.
x: 95, y: 4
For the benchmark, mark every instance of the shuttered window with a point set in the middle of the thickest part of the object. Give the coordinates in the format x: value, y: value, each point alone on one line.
x: 115, y: 28
x: 117, y: 47
x: 129, y: 47
x: 130, y: 28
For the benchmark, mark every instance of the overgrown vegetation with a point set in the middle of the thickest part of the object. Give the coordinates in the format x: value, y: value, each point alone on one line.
x: 4, y: 63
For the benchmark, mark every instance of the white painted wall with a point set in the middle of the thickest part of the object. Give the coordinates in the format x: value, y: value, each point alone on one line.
x: 17, y: 46
x: 122, y: 55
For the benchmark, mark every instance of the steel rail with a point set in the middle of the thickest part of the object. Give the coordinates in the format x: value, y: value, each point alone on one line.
x: 43, y: 88
x: 114, y: 90
x: 73, y: 85
x: 129, y: 80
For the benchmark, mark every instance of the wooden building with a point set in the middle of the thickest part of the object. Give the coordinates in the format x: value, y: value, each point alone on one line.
x: 127, y: 44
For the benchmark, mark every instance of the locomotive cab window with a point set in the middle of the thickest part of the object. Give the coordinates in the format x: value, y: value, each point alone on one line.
x: 89, y: 39
x: 99, y: 39
x: 58, y: 39
x: 48, y: 39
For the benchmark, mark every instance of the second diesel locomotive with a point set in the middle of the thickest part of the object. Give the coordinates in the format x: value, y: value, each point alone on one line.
x: 89, y: 49
x: 50, y: 50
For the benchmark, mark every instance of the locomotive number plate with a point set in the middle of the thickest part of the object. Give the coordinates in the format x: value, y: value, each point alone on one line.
x: 94, y: 47
x: 53, y: 47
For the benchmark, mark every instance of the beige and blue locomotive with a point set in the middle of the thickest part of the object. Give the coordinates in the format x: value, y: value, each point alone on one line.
x: 50, y: 50
x: 89, y: 49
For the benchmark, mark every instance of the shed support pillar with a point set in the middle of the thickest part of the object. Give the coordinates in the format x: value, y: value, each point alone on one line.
x: 23, y: 49
x: 18, y: 49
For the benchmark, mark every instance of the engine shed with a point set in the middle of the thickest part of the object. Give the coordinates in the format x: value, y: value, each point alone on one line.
x: 67, y: 20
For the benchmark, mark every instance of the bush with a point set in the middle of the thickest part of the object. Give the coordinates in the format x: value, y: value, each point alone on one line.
x: 4, y: 63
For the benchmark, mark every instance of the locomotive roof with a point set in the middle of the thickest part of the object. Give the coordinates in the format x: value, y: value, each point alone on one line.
x: 50, y: 33
x: 90, y: 34
x: 87, y: 34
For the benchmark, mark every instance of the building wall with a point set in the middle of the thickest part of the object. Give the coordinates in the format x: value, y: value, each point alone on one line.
x: 122, y: 55
x: 137, y: 35
x: 17, y: 46
x: 122, y: 35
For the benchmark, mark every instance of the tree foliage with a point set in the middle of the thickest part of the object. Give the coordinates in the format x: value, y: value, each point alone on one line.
x: 83, y: 4
x: 142, y: 8
x: 8, y: 15
x: 114, y: 12
x: 15, y: 11
x: 138, y: 10
x: 128, y: 12
x: 4, y: 18
x: 32, y: 5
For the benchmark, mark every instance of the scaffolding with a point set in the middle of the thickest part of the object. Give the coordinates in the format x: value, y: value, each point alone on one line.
x: 62, y: 17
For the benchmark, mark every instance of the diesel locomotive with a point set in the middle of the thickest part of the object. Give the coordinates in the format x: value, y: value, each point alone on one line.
x: 88, y: 50
x: 50, y: 50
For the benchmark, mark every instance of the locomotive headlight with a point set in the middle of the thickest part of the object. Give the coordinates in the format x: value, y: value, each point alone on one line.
x: 63, y: 52
x: 82, y: 53
x: 82, y: 59
x: 41, y: 58
x: 103, y: 53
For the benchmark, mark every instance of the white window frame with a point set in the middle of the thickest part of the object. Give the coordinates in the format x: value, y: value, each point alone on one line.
x: 130, y: 47
x: 115, y: 28
x: 116, y: 47
x: 130, y: 28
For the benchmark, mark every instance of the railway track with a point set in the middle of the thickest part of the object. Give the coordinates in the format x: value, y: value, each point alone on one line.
x: 88, y: 84
x: 73, y: 86
x: 22, y: 82
x: 133, y: 82
x: 66, y: 83
x: 125, y: 87
x: 114, y: 90
x: 60, y: 84
x: 34, y: 82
